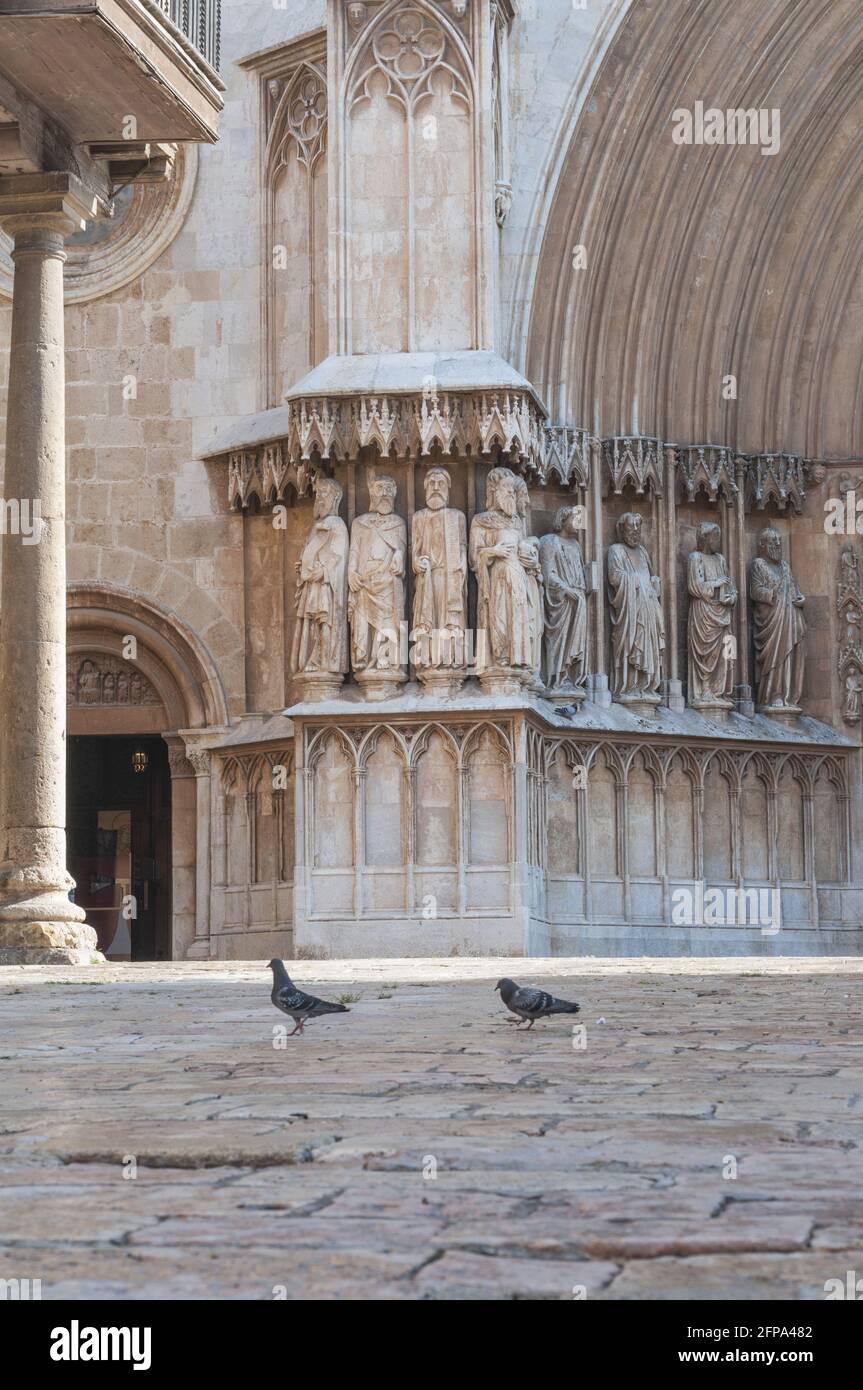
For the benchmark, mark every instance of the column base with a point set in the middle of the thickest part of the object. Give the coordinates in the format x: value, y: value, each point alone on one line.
x: 199, y: 950
x: 39, y: 925
x: 48, y: 943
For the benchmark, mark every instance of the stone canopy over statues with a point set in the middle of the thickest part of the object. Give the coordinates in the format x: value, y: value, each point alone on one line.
x: 637, y: 621
x: 779, y: 628
x: 527, y: 629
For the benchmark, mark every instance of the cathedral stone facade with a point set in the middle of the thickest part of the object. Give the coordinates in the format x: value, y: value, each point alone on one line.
x: 462, y: 478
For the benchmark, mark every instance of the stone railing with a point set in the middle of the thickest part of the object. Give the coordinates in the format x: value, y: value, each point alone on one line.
x: 199, y: 21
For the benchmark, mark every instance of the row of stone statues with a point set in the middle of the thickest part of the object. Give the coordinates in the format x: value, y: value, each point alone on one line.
x: 531, y: 626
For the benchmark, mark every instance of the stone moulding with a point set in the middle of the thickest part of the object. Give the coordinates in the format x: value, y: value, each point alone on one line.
x: 505, y: 425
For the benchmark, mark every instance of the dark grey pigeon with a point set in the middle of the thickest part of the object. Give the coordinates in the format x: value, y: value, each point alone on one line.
x: 529, y: 1003
x: 293, y: 1001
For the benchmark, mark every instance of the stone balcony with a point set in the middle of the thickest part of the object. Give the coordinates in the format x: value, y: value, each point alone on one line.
x: 107, y: 71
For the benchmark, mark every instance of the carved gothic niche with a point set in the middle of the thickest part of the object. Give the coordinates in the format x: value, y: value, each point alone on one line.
x: 293, y: 115
x: 567, y: 456
x: 779, y: 479
x: 849, y: 604
x: 707, y: 469
x: 633, y: 460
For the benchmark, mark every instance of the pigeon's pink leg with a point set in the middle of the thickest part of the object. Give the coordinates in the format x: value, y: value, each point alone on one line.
x: 297, y: 1028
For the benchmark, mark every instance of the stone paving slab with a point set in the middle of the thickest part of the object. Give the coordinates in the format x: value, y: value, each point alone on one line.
x: 704, y: 1142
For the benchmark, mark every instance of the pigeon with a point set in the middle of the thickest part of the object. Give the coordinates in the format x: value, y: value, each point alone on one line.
x: 532, y: 1003
x: 293, y: 1001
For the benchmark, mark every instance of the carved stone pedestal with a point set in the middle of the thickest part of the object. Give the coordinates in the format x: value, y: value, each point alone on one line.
x: 441, y: 684
x: 314, y: 686
x: 718, y: 710
x: 504, y: 680
x: 380, y: 685
x: 784, y: 714
x: 564, y: 696
x: 641, y: 702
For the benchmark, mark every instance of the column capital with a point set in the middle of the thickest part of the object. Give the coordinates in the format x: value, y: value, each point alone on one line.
x: 54, y: 202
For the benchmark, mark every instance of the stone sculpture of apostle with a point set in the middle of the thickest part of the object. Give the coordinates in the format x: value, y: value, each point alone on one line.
x: 777, y: 608
x: 712, y: 598
x: 533, y: 568
x: 319, y: 656
x: 376, y: 590
x: 439, y: 559
x: 505, y: 637
x: 638, y: 625
x: 565, y: 644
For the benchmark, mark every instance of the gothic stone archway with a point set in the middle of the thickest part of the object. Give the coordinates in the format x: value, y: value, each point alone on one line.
x: 133, y: 668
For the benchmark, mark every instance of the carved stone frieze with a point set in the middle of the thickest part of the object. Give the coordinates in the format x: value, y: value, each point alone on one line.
x: 106, y: 680
x: 849, y: 604
x: 502, y: 425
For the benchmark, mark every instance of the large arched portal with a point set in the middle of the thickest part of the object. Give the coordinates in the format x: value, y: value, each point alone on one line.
x: 141, y: 690
x: 666, y: 269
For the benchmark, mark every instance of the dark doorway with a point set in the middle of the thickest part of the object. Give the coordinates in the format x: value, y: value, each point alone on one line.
x: 118, y: 814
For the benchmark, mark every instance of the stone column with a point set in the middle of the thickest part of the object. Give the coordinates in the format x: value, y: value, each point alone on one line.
x: 200, y: 760
x: 38, y: 922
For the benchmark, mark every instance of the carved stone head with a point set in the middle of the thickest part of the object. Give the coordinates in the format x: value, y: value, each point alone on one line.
x: 328, y: 497
x: 501, y: 491
x: 437, y: 484
x: 567, y: 521
x: 382, y: 494
x: 770, y: 544
x: 629, y: 529
x: 708, y: 538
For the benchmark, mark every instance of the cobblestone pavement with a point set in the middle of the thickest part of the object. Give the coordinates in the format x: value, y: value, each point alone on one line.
x: 307, y: 1168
